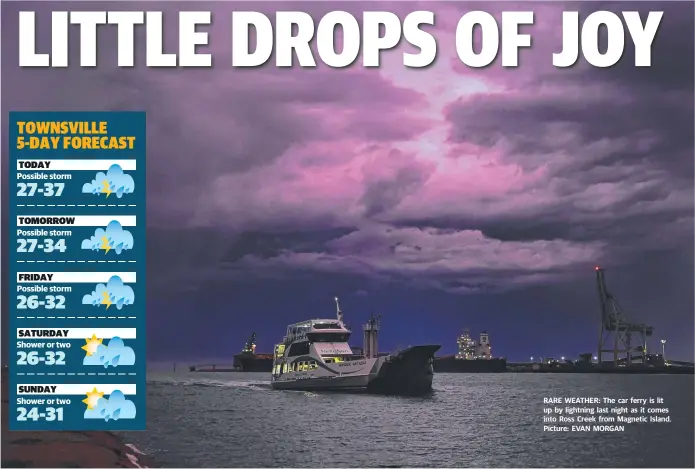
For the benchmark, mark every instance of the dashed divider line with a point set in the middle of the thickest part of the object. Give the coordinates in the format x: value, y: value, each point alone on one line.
x: 77, y: 317
x: 76, y: 205
x: 82, y: 262
x: 76, y: 374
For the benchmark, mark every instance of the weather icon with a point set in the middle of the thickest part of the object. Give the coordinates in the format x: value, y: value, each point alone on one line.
x: 114, y: 181
x: 113, y: 238
x: 115, y: 407
x: 114, y: 353
x: 113, y: 293
x: 91, y: 345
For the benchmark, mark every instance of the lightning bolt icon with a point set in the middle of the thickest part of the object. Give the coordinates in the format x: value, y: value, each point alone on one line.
x: 107, y: 300
x: 106, y: 189
x: 105, y: 244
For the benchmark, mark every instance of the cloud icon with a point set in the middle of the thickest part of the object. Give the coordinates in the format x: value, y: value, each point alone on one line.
x: 114, y: 353
x: 113, y: 181
x: 114, y: 292
x: 113, y: 237
x: 114, y: 408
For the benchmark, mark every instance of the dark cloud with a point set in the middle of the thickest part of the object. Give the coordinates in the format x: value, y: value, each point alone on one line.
x: 446, y: 189
x: 389, y: 180
x: 616, y: 144
x: 268, y: 245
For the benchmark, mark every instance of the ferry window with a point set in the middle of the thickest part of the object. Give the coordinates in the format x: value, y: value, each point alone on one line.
x: 328, y: 337
x: 298, y: 348
x: 327, y: 326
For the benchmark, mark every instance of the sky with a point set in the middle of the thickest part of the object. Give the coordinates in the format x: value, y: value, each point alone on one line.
x: 442, y: 198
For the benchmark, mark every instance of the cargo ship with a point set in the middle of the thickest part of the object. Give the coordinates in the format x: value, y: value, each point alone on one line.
x: 472, y: 357
x: 250, y: 361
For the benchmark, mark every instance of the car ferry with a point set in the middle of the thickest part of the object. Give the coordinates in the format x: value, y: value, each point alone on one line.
x: 315, y: 355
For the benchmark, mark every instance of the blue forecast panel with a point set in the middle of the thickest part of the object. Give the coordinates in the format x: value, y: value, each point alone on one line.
x: 77, y: 270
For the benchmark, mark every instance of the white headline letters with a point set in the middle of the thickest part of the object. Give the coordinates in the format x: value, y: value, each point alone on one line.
x: 338, y: 39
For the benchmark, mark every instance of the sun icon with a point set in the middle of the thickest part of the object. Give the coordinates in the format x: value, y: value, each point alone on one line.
x: 91, y: 345
x: 93, y: 398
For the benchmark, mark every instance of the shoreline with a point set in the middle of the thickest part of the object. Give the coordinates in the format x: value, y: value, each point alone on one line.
x: 65, y: 448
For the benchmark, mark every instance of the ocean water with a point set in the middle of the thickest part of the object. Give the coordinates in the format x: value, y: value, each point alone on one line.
x: 479, y: 420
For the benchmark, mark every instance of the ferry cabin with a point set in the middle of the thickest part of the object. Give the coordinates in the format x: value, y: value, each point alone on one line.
x: 309, y: 343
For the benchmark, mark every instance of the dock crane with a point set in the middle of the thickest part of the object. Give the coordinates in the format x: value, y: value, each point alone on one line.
x: 615, y: 326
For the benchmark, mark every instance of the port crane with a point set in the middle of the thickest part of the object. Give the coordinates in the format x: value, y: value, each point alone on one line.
x: 616, y: 326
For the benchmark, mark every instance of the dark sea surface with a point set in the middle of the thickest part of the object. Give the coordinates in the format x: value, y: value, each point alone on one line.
x: 479, y: 420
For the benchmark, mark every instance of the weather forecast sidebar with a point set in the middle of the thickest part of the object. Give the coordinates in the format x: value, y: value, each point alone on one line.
x: 77, y: 270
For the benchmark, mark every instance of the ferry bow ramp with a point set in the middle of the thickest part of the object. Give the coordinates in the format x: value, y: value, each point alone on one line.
x: 408, y: 372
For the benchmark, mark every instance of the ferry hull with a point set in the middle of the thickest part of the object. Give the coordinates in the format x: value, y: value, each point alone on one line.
x: 406, y: 373
x: 337, y: 383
